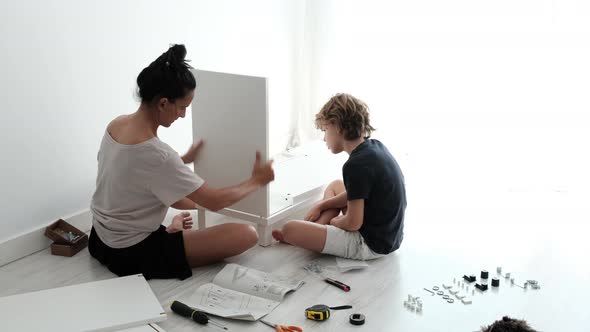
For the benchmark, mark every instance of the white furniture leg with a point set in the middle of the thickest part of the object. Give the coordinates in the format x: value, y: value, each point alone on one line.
x: 264, y: 234
x: 201, y: 218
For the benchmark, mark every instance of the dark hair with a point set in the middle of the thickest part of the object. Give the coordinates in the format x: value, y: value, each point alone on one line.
x: 507, y: 324
x: 349, y: 114
x: 167, y: 77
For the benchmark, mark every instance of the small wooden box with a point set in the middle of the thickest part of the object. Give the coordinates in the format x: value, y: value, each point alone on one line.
x: 63, y: 244
x: 69, y: 250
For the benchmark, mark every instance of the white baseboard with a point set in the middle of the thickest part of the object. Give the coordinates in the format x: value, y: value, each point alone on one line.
x: 30, y: 242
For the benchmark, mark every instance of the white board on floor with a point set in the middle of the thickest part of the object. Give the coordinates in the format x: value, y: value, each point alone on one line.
x: 144, y: 328
x: 106, y: 305
x: 230, y: 113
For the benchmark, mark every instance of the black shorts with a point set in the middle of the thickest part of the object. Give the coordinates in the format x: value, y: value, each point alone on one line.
x: 161, y: 255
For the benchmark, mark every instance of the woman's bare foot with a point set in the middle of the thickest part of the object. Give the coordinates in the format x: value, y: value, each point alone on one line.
x: 277, y: 234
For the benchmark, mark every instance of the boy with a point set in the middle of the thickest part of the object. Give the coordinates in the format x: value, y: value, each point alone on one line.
x: 372, y: 195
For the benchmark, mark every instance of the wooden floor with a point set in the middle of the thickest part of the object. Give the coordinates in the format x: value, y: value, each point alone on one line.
x: 542, y: 236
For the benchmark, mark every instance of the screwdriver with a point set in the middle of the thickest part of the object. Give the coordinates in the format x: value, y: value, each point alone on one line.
x: 198, y: 316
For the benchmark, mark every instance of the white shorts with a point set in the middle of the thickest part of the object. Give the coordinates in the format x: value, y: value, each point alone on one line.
x: 347, y: 244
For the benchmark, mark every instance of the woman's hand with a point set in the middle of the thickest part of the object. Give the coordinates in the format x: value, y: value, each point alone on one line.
x: 181, y: 221
x: 262, y: 173
x: 192, y: 152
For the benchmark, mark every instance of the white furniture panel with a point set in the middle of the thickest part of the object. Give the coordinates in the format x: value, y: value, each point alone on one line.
x: 106, y: 305
x: 230, y: 113
x: 144, y: 328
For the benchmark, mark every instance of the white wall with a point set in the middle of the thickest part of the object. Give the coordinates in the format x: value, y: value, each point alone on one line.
x: 492, y: 94
x: 471, y: 95
x: 68, y: 67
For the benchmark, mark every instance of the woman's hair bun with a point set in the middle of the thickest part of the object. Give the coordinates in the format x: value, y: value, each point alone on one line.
x: 169, y: 76
x: 176, y: 54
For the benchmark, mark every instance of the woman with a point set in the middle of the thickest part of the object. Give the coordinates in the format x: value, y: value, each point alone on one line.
x: 139, y: 177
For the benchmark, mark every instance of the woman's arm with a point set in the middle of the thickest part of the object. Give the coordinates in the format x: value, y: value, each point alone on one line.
x: 184, y: 204
x: 217, y: 199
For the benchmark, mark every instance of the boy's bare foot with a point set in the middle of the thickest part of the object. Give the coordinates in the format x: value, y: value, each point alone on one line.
x: 277, y: 234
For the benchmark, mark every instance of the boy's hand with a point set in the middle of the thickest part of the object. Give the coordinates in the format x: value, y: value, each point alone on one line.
x: 314, y: 213
x: 182, y: 221
x: 262, y: 173
x: 337, y: 221
x: 192, y: 152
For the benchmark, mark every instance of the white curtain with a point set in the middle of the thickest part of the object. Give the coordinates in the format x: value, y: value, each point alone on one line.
x: 469, y: 94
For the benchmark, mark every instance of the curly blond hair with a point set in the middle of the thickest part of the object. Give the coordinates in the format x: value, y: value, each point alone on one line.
x: 349, y: 114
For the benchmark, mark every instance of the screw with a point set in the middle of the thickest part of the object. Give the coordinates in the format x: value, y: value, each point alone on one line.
x: 512, y: 282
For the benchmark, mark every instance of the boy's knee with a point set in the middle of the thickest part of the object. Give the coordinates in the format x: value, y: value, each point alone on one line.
x: 335, y: 187
x: 336, y: 183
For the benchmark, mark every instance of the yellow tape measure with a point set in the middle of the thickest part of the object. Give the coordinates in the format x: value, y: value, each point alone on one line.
x: 322, y: 312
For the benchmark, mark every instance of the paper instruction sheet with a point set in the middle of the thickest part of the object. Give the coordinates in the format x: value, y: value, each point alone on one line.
x: 227, y: 303
x: 240, y: 292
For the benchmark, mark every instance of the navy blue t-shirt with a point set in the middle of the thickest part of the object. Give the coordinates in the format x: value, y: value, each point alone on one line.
x: 371, y: 173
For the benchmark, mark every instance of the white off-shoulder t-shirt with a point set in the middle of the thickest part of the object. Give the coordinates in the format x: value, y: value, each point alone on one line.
x: 135, y: 186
